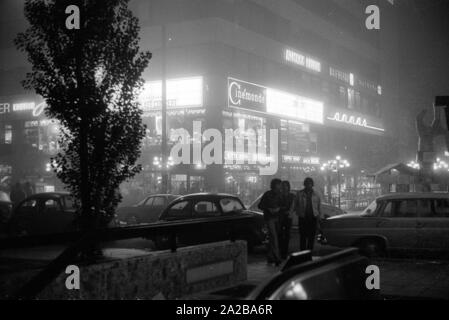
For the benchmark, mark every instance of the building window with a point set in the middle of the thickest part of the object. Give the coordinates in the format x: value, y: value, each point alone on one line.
x: 351, y: 98
x: 8, y: 134
x: 342, y: 96
x: 357, y: 100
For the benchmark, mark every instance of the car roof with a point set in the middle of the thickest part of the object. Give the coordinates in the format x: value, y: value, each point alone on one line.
x: 415, y: 195
x: 163, y: 195
x: 207, y: 195
x: 50, y: 195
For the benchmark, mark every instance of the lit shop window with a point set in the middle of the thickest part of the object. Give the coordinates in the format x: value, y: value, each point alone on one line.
x: 8, y: 134
x: 181, y: 93
x: 351, y: 98
x: 43, y: 135
x: 293, y: 106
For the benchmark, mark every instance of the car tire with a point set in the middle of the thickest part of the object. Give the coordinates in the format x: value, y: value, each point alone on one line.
x: 372, y: 248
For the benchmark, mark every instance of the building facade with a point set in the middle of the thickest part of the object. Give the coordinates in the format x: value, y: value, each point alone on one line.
x: 246, y: 65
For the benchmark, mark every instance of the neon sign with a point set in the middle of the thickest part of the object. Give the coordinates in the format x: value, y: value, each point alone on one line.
x: 353, y: 121
x: 242, y: 94
x: 302, y: 60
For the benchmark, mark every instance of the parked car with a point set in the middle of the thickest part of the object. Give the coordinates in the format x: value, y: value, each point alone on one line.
x: 146, y: 211
x: 211, y: 205
x: 327, y: 210
x: 5, y: 211
x: 44, y: 213
x: 395, y: 222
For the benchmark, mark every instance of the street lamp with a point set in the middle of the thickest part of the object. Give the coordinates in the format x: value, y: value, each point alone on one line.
x: 336, y: 165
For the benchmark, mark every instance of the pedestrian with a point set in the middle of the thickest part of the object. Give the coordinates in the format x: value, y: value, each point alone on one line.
x: 308, y: 210
x: 28, y: 189
x: 182, y: 188
x: 285, y: 218
x: 17, y: 193
x: 270, y: 204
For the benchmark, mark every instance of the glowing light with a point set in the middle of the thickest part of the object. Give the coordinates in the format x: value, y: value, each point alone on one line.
x: 297, y: 107
x: 181, y: 93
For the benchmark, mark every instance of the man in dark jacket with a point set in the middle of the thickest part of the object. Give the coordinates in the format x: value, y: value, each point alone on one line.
x: 308, y: 209
x: 270, y: 204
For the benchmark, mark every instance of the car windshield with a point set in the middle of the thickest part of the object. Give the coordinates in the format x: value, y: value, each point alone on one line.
x: 370, y: 209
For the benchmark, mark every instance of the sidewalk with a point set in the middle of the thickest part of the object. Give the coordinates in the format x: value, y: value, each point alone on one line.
x: 399, y: 280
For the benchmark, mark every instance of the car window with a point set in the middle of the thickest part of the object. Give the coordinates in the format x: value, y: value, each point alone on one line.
x: 387, y: 211
x: 50, y: 206
x: 32, y: 203
x: 68, y: 203
x: 4, y: 197
x: 205, y: 209
x: 425, y: 208
x: 441, y: 208
x: 148, y: 202
x: 407, y: 208
x: 158, y: 202
x: 230, y: 205
x: 179, y: 210
x: 371, y: 209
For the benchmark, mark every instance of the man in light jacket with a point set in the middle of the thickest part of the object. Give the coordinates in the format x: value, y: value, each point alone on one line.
x: 308, y: 210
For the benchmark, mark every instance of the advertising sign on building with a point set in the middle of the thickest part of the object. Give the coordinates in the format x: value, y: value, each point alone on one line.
x: 353, y: 120
x: 246, y: 95
x: 302, y: 60
x: 181, y: 93
x: 250, y: 96
x: 26, y: 107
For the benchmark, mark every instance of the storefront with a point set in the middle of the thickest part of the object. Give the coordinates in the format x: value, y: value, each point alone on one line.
x: 27, y: 141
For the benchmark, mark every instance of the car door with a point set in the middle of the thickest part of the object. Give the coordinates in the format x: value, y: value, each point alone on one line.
x: 433, y: 224
x: 142, y: 213
x: 397, y: 223
x: 178, y: 211
x: 206, y: 209
x: 25, y: 217
x: 158, y: 205
x: 52, y: 218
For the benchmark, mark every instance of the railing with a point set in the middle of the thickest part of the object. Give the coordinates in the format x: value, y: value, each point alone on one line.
x: 79, y: 242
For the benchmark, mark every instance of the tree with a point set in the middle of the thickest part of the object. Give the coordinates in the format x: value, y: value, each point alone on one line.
x: 90, y: 79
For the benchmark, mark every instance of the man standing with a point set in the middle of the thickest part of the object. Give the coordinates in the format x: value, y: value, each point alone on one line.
x: 270, y: 204
x: 308, y: 209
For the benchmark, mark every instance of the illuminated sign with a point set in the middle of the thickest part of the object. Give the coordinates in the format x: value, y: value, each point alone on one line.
x: 5, y: 108
x: 300, y: 160
x: 293, y: 106
x: 368, y: 85
x: 246, y: 95
x: 352, y: 120
x: 340, y: 75
x: 180, y: 93
x: 302, y: 60
x: 36, y: 109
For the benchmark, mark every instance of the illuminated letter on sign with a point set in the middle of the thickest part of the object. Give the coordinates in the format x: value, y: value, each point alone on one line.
x: 352, y: 120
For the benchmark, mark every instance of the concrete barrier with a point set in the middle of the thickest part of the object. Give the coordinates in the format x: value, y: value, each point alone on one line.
x: 136, y: 274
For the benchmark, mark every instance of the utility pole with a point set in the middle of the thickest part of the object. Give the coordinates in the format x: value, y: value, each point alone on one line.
x: 164, y: 157
x: 339, y: 185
